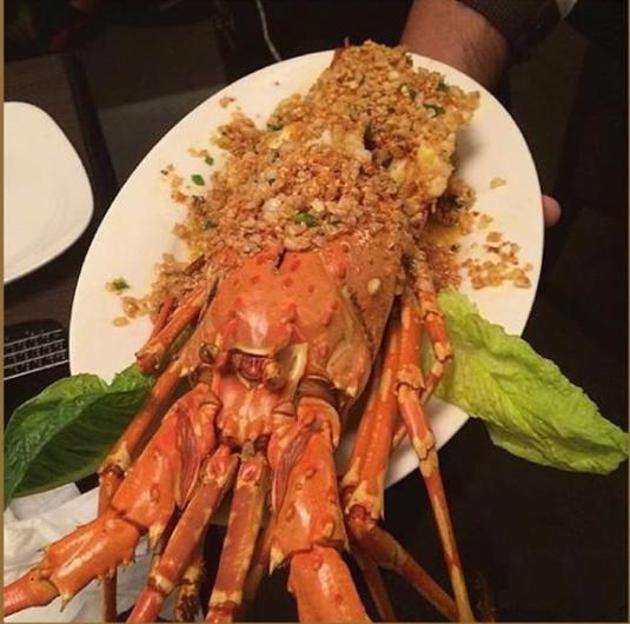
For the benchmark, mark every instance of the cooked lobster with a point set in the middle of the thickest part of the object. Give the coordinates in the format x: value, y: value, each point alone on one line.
x: 287, y: 338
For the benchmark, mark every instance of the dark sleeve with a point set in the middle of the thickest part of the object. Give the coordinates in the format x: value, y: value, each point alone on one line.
x: 523, y: 23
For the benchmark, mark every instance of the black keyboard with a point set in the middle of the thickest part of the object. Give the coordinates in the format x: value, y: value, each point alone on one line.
x: 34, y: 347
x: 35, y: 355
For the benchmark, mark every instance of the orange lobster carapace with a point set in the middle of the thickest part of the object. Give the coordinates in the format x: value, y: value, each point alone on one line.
x: 313, y: 289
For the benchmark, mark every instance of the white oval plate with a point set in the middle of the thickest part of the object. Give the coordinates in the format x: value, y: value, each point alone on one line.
x: 138, y: 227
x: 47, y: 195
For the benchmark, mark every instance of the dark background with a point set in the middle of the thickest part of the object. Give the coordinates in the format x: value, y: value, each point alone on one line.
x: 551, y: 545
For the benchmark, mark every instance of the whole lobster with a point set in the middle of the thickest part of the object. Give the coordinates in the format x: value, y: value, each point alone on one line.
x: 284, y: 344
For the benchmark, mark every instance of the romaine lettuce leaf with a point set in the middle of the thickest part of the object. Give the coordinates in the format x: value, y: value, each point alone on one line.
x: 531, y: 409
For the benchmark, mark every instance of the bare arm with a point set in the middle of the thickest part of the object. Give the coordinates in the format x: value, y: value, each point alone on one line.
x: 453, y: 33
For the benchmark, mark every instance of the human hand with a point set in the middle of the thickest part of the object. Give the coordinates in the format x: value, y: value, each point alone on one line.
x: 551, y: 210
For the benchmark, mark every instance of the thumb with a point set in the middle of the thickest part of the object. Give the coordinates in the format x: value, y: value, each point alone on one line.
x: 551, y: 210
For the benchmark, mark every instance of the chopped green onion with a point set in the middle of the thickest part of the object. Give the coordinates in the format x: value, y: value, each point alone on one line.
x: 119, y: 284
x: 209, y: 160
x: 437, y: 110
x: 275, y: 154
x: 275, y: 126
x: 209, y: 225
x: 308, y: 219
x: 197, y: 179
x: 442, y: 86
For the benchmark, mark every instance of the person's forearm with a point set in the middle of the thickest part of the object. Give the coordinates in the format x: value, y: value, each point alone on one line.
x: 455, y: 34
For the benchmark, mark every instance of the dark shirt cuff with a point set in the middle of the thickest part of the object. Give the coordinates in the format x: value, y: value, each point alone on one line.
x: 523, y: 23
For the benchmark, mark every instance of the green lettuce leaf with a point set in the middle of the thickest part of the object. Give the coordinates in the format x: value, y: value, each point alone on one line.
x: 63, y: 434
x: 530, y: 408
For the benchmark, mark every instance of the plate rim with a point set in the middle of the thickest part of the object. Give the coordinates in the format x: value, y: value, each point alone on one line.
x: 80, y: 224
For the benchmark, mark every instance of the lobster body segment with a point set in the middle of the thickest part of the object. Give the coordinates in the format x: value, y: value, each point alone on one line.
x: 335, y: 301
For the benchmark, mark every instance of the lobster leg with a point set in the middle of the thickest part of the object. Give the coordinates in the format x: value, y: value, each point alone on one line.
x: 105, y: 543
x: 433, y: 322
x: 399, y: 435
x: 158, y: 548
x: 161, y: 478
x: 187, y: 603
x: 374, y: 580
x: 363, y: 484
x: 215, y: 481
x: 410, y: 384
x: 389, y: 554
x: 260, y: 562
x: 243, y: 526
x: 308, y: 527
x: 377, y: 419
x: 150, y: 356
x: 163, y: 315
x: 118, y: 460
x: 324, y: 589
x: 112, y: 470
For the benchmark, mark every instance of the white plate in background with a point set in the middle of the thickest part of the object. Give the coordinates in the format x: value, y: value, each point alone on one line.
x: 47, y: 196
